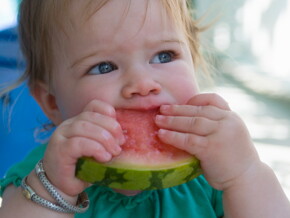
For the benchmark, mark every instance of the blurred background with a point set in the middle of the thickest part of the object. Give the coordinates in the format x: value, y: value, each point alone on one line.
x: 248, y: 43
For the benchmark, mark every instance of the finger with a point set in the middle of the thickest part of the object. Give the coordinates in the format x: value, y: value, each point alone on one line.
x: 64, y: 163
x: 196, y: 125
x: 184, y: 141
x: 84, y: 147
x: 100, y: 107
x: 210, y: 112
x: 209, y: 99
x: 85, y: 129
x: 108, y: 123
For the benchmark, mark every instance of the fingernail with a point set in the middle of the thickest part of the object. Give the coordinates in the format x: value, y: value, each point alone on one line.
x: 106, y: 135
x: 111, y: 112
x: 122, y: 140
x: 118, y: 149
x: 159, y: 118
x: 161, y: 132
x: 107, y: 156
x: 164, y: 108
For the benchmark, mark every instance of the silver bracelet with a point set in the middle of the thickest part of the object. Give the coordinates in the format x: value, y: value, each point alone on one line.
x: 29, y: 194
x: 82, y: 203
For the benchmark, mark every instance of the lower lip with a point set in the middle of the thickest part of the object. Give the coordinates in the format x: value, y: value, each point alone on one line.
x: 143, y: 108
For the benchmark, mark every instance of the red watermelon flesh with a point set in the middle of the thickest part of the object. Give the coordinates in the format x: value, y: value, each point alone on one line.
x: 142, y: 146
x: 145, y: 163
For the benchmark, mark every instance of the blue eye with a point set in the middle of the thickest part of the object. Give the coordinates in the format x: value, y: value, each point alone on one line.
x: 162, y: 57
x: 102, y: 68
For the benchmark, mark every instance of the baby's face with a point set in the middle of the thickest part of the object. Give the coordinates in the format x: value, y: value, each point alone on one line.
x: 128, y: 56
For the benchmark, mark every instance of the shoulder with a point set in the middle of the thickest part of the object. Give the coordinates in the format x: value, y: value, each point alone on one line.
x: 17, y: 172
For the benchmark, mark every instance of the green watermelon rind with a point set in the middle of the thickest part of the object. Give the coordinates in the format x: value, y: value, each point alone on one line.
x: 89, y: 170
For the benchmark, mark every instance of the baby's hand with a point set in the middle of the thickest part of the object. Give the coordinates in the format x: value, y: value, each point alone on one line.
x: 93, y: 133
x: 208, y: 129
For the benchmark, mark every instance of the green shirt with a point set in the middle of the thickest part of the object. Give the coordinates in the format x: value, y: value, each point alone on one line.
x: 193, y: 199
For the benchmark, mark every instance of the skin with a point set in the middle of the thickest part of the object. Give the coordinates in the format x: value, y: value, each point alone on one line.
x: 84, y: 109
x: 85, y: 106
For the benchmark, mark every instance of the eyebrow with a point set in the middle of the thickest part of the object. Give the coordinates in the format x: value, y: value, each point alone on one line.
x: 83, y: 58
x: 173, y: 40
x: 153, y: 42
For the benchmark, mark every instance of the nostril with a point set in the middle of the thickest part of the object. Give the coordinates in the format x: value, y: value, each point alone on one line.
x: 142, y: 88
x: 156, y: 90
x: 147, y: 92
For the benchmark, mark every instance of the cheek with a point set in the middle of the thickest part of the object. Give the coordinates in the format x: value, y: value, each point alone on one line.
x: 184, y: 90
x: 182, y: 85
x: 70, y: 105
x: 74, y: 101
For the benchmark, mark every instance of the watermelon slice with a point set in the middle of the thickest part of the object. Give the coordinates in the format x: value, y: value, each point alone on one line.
x: 145, y: 163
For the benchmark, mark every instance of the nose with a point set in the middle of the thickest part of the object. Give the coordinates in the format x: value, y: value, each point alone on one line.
x: 140, y: 84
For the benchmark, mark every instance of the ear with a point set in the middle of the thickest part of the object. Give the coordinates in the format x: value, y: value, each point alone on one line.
x: 47, y: 102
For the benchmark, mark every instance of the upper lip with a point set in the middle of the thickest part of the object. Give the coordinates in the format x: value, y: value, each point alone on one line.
x: 145, y: 105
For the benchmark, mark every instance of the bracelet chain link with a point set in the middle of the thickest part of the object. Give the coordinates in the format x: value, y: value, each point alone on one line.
x: 62, y: 205
x: 81, y: 208
x: 31, y: 195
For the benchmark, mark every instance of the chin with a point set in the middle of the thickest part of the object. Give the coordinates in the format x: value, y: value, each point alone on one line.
x: 127, y: 192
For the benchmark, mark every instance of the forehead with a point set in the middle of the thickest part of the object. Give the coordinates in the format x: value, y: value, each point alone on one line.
x: 108, y: 16
x: 119, y: 22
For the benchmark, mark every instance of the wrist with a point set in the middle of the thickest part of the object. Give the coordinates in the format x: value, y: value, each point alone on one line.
x: 253, y: 174
x: 34, y: 182
x: 50, y: 196
x: 82, y: 203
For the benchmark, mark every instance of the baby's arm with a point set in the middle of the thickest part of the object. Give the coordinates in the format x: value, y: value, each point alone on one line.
x: 208, y: 129
x: 94, y: 132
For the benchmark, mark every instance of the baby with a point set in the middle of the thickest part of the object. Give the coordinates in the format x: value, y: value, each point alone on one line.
x: 85, y: 59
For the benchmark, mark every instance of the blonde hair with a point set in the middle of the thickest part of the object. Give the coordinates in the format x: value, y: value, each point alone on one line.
x: 41, y: 20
